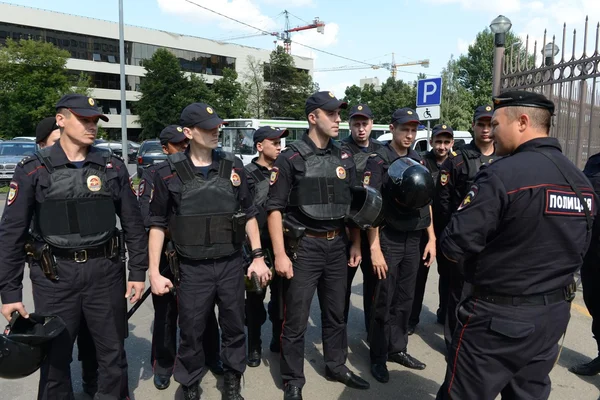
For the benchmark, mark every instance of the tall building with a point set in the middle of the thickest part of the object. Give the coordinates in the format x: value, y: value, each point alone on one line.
x: 371, y: 81
x: 94, y: 48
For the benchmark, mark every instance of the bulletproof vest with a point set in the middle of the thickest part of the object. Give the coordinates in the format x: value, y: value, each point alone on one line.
x: 206, y: 224
x: 323, y: 193
x: 261, y: 191
x: 360, y: 157
x: 473, y: 161
x: 78, y: 210
x: 397, y: 217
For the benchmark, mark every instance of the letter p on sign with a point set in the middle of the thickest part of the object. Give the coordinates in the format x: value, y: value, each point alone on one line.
x: 429, y: 92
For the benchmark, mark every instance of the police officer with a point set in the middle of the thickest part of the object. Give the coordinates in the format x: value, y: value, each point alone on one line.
x: 457, y: 174
x: 361, y: 146
x: 442, y: 140
x: 164, y: 334
x: 311, y: 183
x: 76, y: 270
x: 519, y: 235
x: 395, y: 251
x: 202, y: 197
x: 47, y: 132
x: 590, y: 274
x: 267, y: 141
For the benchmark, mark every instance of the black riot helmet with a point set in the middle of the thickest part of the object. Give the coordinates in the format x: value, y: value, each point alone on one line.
x: 25, y: 342
x: 366, y: 206
x: 411, y: 185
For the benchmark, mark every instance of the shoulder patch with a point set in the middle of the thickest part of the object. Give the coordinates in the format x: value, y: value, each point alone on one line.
x: 274, y: 175
x: 468, y: 200
x: 132, y: 187
x: 367, y: 178
x: 444, y: 175
x: 12, y: 193
x: 344, y: 155
x: 27, y: 159
x: 141, y: 188
x: 565, y: 202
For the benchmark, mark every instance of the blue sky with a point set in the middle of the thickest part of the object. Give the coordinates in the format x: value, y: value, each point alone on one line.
x: 360, y: 30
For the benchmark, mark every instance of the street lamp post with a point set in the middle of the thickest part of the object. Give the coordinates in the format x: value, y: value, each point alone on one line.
x: 550, y: 51
x: 124, y: 142
x: 499, y: 26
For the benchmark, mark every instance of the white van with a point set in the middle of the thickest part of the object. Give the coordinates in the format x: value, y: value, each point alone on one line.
x: 421, y: 144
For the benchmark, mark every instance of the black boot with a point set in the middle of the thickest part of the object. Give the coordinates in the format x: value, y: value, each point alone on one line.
x: 254, y: 347
x: 231, y: 386
x: 191, y: 392
x: 588, y: 369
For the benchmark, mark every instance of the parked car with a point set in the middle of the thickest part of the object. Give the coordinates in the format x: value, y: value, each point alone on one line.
x: 22, y: 138
x: 11, y: 152
x: 150, y: 152
x: 117, y: 148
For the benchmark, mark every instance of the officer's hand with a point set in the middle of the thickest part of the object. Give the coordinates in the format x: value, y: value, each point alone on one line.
x: 264, y: 273
x: 283, y: 266
x: 380, y: 267
x: 138, y: 289
x: 429, y: 252
x: 8, y: 309
x: 160, y: 285
x: 355, y: 256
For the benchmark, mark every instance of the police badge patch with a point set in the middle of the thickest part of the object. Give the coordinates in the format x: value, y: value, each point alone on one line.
x: 132, y: 187
x: 94, y: 183
x: 274, y: 175
x: 340, y: 172
x: 12, y: 193
x: 444, y: 178
x: 367, y: 178
x: 469, y: 197
x: 142, y: 187
x: 235, y: 179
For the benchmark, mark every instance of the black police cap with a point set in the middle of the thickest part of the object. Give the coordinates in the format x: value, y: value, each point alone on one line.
x: 483, y: 112
x: 442, y: 128
x: 200, y: 115
x: 45, y: 128
x: 362, y: 110
x: 81, y: 106
x: 325, y: 101
x: 172, y: 134
x: 269, y: 132
x: 522, y: 98
x: 404, y: 116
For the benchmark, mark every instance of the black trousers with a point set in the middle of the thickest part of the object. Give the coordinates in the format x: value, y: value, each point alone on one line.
x: 321, y: 264
x: 369, y: 281
x: 256, y: 315
x: 590, y: 280
x: 93, y: 290
x: 393, y: 303
x: 507, y: 350
x: 164, y: 333
x: 420, y: 284
x: 455, y: 289
x: 202, y: 283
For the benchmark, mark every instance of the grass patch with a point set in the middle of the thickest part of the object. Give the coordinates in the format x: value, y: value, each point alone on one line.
x: 4, y: 189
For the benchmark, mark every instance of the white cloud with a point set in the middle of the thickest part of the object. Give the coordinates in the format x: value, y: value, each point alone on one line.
x: 244, y: 10
x: 314, y: 39
x: 496, y: 7
x: 290, y: 3
x: 463, y: 45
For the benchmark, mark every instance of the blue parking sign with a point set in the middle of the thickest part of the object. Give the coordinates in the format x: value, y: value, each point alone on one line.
x: 429, y: 92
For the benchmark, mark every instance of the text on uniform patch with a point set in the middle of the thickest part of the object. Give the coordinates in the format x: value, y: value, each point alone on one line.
x: 566, y: 203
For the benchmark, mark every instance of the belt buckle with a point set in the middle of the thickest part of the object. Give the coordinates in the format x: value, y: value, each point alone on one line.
x: 331, y: 235
x: 80, y: 256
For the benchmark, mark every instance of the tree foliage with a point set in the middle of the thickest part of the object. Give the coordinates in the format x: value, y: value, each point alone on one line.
x: 33, y: 77
x: 457, y: 102
x: 254, y: 86
x: 287, y: 88
x: 230, y: 97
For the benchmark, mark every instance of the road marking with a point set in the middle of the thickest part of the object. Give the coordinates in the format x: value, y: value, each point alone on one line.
x: 581, y: 309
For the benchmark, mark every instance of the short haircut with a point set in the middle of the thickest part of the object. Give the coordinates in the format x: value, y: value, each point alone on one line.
x: 540, y: 118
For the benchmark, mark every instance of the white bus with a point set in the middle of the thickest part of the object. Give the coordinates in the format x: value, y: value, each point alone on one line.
x: 236, y: 136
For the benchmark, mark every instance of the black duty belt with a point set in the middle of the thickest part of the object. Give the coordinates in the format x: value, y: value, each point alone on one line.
x: 82, y: 255
x: 563, y: 294
x: 329, y: 235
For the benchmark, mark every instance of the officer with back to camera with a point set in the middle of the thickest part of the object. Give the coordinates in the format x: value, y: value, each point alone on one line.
x: 164, y: 333
x: 519, y: 235
x: 73, y: 192
x: 361, y: 146
x: 311, y: 183
x: 395, y: 247
x: 456, y: 176
x: 202, y: 197
x: 267, y: 140
x: 47, y: 132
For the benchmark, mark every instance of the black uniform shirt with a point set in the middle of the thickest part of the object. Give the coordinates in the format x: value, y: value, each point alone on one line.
x: 376, y: 170
x: 145, y: 192
x: 433, y: 167
x: 163, y: 204
x: 519, y: 230
x: 288, y: 167
x: 454, y: 176
x: 31, y: 180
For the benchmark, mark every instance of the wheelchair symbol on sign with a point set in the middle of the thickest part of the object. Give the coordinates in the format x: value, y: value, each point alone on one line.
x: 427, y: 114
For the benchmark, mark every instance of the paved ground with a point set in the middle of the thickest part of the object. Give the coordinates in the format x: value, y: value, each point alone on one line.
x: 264, y: 383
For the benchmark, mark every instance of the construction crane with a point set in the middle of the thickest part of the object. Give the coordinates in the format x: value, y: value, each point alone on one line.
x: 285, y: 35
x: 392, y: 67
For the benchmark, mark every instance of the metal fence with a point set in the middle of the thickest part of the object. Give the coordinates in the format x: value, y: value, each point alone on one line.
x: 573, y: 84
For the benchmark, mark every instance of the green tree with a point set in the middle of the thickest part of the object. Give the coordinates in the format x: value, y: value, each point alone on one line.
x: 230, y: 97
x: 33, y: 77
x: 475, y: 69
x: 287, y: 88
x: 254, y: 86
x: 166, y: 91
x: 457, y: 102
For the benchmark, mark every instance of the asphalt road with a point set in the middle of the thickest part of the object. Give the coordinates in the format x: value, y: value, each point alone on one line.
x: 264, y: 383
